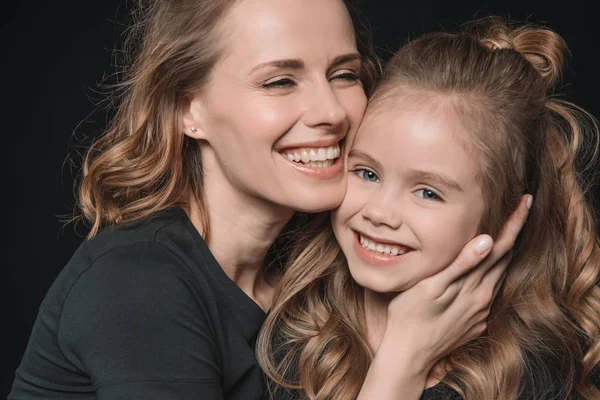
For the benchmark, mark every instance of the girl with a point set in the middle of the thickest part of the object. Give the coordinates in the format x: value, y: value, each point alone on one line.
x: 458, y: 129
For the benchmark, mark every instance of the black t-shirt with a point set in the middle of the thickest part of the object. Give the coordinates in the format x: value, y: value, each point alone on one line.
x: 143, y: 313
x: 438, y: 392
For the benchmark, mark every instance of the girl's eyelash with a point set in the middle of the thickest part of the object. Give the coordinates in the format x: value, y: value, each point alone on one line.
x: 432, y: 193
x: 360, y: 173
x: 428, y: 194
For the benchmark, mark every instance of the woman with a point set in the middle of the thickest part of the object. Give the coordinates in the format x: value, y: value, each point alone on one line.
x: 458, y: 129
x: 232, y: 117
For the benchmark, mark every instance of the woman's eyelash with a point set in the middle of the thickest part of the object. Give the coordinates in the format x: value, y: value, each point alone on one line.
x: 348, y: 76
x: 280, y: 83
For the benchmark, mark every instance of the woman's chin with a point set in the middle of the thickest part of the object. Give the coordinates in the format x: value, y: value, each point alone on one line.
x: 323, y: 201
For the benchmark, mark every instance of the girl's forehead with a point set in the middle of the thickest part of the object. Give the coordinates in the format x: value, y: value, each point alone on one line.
x: 427, y: 118
x: 398, y: 103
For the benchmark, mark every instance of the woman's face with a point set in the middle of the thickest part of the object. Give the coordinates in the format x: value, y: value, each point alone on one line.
x: 273, y: 118
x: 413, y: 197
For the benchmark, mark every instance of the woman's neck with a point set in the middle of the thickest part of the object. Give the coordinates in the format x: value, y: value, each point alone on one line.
x: 242, y: 229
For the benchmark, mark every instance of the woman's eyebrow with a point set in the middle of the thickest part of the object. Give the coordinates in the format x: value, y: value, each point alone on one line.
x: 296, y: 63
x: 345, y: 58
x: 292, y: 63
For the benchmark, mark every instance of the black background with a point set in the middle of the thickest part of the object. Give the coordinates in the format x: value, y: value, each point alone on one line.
x: 56, y: 53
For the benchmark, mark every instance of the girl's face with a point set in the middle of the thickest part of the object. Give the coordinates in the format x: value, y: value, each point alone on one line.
x: 413, y: 198
x: 281, y: 101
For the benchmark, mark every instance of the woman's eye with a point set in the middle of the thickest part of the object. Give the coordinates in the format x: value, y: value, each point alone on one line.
x: 366, y: 175
x: 280, y: 83
x: 347, y: 76
x: 427, y: 194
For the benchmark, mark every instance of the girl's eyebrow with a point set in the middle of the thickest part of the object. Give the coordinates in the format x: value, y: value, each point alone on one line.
x: 439, y: 179
x: 365, y: 157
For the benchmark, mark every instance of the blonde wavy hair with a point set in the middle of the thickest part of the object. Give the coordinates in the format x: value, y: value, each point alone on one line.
x: 543, y: 335
x: 144, y: 163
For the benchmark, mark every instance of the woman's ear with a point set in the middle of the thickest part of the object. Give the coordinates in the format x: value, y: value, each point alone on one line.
x: 195, y: 118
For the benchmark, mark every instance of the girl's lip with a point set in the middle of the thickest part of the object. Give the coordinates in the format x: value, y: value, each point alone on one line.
x: 375, y: 258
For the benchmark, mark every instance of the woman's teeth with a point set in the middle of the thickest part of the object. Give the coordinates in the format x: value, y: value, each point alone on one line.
x: 386, y: 248
x: 315, y: 157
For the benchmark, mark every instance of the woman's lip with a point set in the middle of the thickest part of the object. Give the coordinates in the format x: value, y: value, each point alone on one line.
x: 374, y: 258
x: 324, y: 173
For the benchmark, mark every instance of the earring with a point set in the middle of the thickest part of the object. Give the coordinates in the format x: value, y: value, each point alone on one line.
x: 193, y: 129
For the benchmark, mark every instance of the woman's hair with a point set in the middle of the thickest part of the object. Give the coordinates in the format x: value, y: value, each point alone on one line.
x: 144, y: 162
x: 543, y: 335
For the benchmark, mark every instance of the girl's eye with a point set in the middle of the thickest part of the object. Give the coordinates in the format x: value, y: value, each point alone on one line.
x: 366, y: 175
x: 280, y: 83
x: 428, y: 194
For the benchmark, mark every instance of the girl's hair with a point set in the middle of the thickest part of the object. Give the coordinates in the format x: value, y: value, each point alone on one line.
x: 543, y: 336
x: 144, y: 162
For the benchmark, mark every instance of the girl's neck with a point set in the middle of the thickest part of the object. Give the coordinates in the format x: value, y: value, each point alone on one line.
x: 376, y: 309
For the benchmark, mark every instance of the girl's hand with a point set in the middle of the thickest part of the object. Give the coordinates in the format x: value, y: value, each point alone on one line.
x: 440, y: 313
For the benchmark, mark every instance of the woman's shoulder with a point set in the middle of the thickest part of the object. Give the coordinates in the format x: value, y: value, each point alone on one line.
x: 148, y: 229
x: 141, y: 253
x: 132, y: 273
x: 146, y: 241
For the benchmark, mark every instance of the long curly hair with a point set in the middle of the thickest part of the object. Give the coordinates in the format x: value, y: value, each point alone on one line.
x: 543, y: 336
x: 144, y: 163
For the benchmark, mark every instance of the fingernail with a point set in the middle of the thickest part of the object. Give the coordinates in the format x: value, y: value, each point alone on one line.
x: 529, y: 201
x: 483, y: 244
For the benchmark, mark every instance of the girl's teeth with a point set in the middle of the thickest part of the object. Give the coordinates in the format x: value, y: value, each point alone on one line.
x: 379, y: 248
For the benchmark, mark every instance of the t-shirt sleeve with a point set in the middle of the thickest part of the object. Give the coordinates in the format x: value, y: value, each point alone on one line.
x: 135, y: 324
